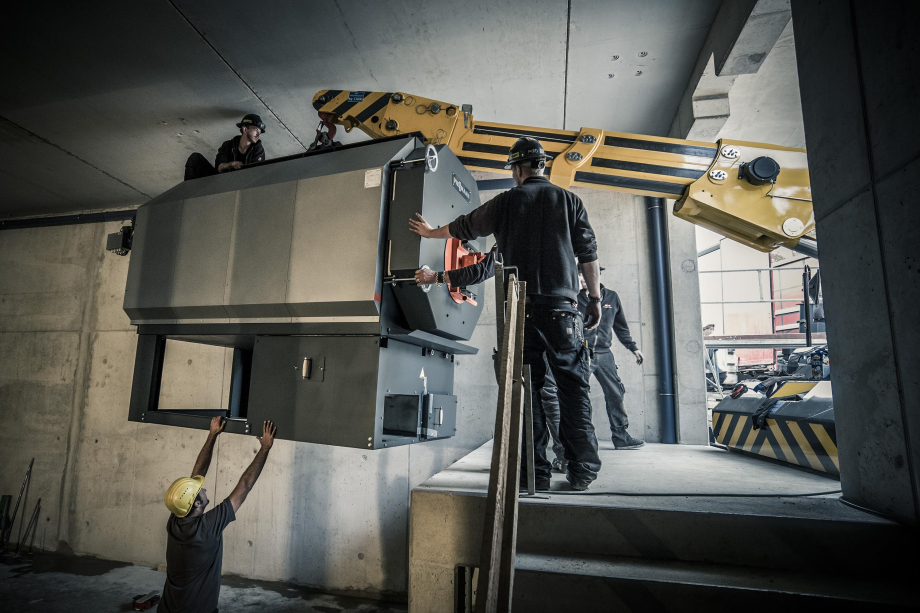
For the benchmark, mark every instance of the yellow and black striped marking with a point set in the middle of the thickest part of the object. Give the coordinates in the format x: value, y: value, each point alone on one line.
x: 808, y: 444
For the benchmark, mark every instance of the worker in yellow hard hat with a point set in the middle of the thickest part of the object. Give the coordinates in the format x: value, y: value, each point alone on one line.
x: 195, y: 545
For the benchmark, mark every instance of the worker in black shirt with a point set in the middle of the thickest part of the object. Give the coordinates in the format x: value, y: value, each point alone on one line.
x: 604, y: 367
x: 233, y: 154
x: 195, y: 538
x: 541, y: 229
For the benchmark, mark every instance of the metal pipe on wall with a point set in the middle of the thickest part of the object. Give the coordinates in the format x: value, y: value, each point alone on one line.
x: 663, y: 325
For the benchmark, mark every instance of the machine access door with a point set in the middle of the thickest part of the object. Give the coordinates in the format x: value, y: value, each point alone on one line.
x: 316, y: 389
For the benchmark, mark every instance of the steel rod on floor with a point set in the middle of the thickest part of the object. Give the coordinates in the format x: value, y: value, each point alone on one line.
x: 33, y: 526
x: 806, y: 277
x: 9, y: 530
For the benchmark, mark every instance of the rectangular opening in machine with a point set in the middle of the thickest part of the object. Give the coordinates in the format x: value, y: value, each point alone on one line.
x: 188, y: 379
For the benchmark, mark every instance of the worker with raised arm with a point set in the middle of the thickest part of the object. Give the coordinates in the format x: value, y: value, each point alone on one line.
x: 542, y: 230
x: 195, y: 543
x: 233, y: 154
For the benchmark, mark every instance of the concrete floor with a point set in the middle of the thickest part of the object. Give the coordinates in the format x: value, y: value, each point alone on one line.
x: 76, y: 584
x: 673, y: 477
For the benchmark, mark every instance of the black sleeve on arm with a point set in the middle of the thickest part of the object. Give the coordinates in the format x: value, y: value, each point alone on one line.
x: 583, y: 240
x: 224, y: 154
x: 621, y: 328
x: 475, y: 273
x: 482, y: 221
x: 258, y: 153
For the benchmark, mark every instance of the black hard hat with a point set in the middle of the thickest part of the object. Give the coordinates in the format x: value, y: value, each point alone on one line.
x: 252, y: 120
x: 525, y: 149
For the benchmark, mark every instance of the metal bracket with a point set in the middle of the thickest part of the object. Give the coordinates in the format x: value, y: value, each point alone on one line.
x: 467, y: 112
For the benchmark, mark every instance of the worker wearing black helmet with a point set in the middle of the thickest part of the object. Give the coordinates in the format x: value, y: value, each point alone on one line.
x: 233, y: 154
x: 541, y: 229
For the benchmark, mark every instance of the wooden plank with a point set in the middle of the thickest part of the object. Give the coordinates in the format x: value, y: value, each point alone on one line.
x: 490, y: 552
x: 500, y: 316
x: 513, y: 462
x: 528, y: 431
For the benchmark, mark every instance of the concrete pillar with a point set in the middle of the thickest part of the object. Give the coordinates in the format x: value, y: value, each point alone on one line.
x: 741, y: 37
x: 858, y: 75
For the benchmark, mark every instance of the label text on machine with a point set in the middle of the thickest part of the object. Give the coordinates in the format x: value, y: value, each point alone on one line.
x: 460, y: 187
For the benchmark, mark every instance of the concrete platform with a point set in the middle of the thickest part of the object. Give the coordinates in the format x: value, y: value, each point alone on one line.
x: 669, y: 523
x: 657, y: 475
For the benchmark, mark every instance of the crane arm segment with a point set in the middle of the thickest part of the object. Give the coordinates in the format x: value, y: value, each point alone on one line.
x: 716, y: 185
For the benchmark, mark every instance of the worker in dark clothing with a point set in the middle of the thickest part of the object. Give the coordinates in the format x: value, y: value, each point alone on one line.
x: 541, y: 229
x: 195, y: 543
x: 604, y: 367
x: 233, y: 154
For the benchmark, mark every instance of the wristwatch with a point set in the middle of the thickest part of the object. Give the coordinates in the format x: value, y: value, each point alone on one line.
x: 439, y: 278
x: 594, y: 299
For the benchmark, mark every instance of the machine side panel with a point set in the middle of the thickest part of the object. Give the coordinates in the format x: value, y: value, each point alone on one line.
x: 200, y: 275
x: 153, y: 260
x: 332, y: 403
x: 260, y: 251
x: 334, y: 255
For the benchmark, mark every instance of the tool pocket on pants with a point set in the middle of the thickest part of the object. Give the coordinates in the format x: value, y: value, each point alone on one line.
x: 566, y: 331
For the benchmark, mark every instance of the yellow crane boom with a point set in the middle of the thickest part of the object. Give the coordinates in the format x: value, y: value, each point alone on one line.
x: 725, y: 186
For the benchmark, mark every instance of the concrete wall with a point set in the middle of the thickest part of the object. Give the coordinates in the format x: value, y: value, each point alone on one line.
x: 621, y: 225
x: 858, y: 74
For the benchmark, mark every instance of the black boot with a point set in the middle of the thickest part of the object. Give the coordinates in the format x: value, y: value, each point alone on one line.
x: 623, y: 440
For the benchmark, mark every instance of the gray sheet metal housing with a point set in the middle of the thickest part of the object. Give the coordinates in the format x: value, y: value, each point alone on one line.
x: 288, y: 263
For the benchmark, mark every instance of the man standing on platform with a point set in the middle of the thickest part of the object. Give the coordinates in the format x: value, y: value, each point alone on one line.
x: 604, y: 367
x: 542, y: 230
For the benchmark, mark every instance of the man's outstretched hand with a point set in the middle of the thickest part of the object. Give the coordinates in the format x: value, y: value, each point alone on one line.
x: 268, y: 435
x: 217, y: 425
x: 420, y: 226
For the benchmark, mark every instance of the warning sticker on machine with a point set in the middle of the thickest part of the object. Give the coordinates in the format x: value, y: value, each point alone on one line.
x: 355, y: 96
x: 372, y: 178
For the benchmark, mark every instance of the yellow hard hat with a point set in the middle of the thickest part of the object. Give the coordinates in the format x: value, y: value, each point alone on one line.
x: 181, y: 495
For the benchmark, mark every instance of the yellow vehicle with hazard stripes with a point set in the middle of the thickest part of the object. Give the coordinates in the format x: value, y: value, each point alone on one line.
x: 789, y: 418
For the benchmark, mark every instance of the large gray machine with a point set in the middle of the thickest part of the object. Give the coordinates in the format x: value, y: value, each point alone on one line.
x: 296, y: 265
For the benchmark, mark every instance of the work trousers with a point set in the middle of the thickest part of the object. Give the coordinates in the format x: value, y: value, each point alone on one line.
x: 551, y: 412
x: 604, y: 368
x: 556, y: 331
x: 198, y: 166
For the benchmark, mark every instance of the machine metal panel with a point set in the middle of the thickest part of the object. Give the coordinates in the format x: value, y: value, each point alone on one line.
x: 412, y: 371
x: 260, y: 251
x: 439, y: 416
x: 251, y: 260
x: 440, y: 197
x: 200, y: 274
x: 153, y: 260
x: 333, y: 264
x: 334, y: 406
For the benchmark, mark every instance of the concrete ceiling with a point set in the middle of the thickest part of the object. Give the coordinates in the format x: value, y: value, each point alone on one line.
x: 102, y: 102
